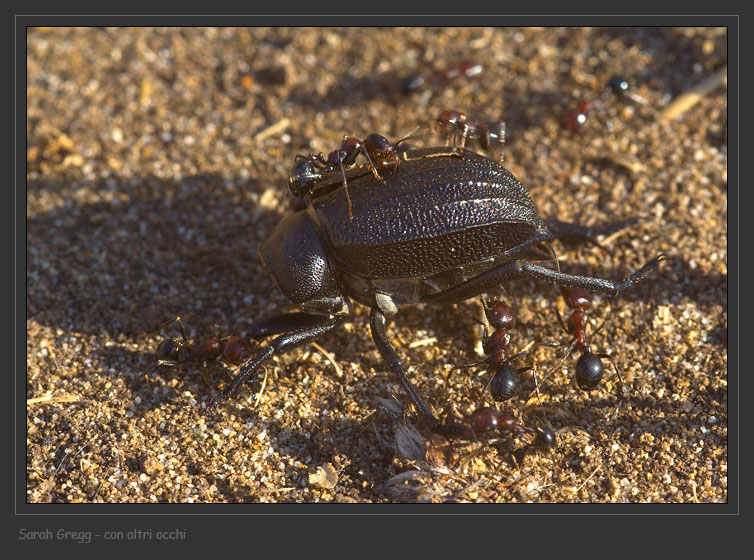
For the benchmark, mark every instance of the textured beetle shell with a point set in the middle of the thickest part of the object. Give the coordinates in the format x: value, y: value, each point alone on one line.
x: 435, y: 212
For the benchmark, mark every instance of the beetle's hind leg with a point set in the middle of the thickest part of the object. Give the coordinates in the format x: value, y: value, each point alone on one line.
x: 302, y: 328
x: 491, y: 280
x: 608, y: 287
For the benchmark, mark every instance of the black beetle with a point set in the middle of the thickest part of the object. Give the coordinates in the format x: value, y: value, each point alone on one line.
x: 446, y: 225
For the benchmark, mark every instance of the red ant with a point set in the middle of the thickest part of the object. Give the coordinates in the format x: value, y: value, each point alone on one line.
x: 504, y: 382
x: 573, y: 119
x: 232, y: 350
x: 466, y: 68
x: 307, y: 170
x: 484, y: 421
x: 452, y: 123
x: 488, y: 418
x: 589, y: 368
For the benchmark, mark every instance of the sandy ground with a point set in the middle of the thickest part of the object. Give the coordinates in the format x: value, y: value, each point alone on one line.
x: 158, y: 163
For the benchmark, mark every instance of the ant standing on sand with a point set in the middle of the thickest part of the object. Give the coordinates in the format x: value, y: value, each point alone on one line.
x: 231, y: 350
x: 574, y: 119
x: 589, y: 368
x: 504, y: 381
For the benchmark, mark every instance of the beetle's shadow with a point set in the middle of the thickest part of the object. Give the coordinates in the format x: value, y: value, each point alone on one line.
x: 148, y: 251
x: 152, y: 249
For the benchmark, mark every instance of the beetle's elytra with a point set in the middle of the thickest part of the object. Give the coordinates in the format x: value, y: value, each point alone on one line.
x: 436, y: 220
x: 443, y: 226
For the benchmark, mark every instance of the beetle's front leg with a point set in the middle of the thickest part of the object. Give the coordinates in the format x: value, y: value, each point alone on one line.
x: 303, y: 328
x: 284, y: 323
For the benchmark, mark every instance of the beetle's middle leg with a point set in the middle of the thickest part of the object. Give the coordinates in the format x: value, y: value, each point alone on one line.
x: 377, y: 322
x: 302, y: 327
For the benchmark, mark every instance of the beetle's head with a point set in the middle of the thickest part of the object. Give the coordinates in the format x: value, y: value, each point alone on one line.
x: 297, y: 260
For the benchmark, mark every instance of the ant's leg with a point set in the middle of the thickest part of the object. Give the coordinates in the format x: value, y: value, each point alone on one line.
x: 373, y: 167
x: 304, y: 332
x: 496, y: 139
x: 491, y: 279
x: 345, y: 189
x: 377, y: 322
x: 464, y: 135
x: 177, y: 320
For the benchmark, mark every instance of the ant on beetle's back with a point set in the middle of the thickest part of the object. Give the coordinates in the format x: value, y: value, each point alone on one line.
x: 307, y: 170
x: 460, y: 128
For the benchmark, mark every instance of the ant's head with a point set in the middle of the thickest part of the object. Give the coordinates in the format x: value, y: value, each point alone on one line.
x: 168, y: 350
x: 576, y: 298
x: 450, y: 120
